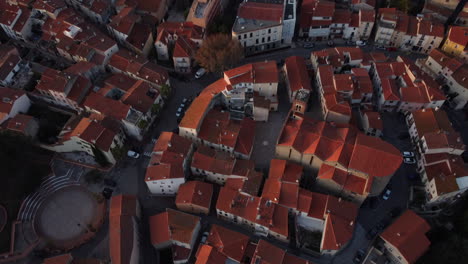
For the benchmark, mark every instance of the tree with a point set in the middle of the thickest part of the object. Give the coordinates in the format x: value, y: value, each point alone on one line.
x: 99, y: 157
x: 165, y: 90
x: 94, y: 176
x: 219, y: 52
x: 155, y: 108
x: 142, y: 124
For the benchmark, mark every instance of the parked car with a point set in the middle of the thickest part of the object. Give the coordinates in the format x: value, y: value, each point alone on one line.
x: 409, y: 160
x: 200, y: 73
x: 350, y: 42
x: 153, y: 140
x: 107, y: 193
x: 204, y: 237
x: 308, y: 45
x: 133, y: 154
x: 380, y: 48
x: 359, y: 256
x: 110, y: 183
x: 331, y: 43
x: 386, y: 194
x: 147, y: 154
x: 361, y: 43
x: 179, y: 112
x: 392, y: 49
x: 395, y: 212
x: 408, y: 154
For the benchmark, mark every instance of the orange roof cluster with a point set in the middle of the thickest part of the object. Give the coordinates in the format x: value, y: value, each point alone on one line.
x: 458, y: 35
x: 207, y: 254
x: 408, y: 235
x: 341, y: 144
x: 129, y: 63
x: 296, y: 73
x: 216, y: 161
x: 429, y: 121
x: 258, y: 72
x: 106, y: 106
x: 446, y: 172
x: 267, y: 253
x: 219, y: 129
x: 249, y: 185
x: 227, y: 242
x: 254, y: 209
x: 336, y: 56
x: 81, y: 43
x: 195, y: 193
x: 374, y: 119
x: 184, y: 48
x: 173, y: 226
x: 93, y: 131
x: 169, y: 30
x: 168, y: 157
x: 340, y: 217
x: 346, y: 181
x: 261, y: 11
x: 412, y: 25
x: 123, y: 210
x: 316, y: 8
x: 73, y: 86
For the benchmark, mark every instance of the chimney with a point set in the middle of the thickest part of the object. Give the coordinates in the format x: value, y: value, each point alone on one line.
x: 199, y: 193
x: 398, y: 234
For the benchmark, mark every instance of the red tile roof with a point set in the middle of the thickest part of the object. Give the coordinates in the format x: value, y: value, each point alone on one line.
x: 207, y: 254
x: 60, y: 259
x: 268, y: 253
x: 407, y: 234
x: 296, y: 73
x: 285, y: 171
x: 261, y: 11
x: 458, y: 35
x: 106, y: 106
x: 230, y: 243
x: 315, y: 8
x: 121, y: 227
x: 174, y: 226
x: 184, y: 48
x: 367, y: 15
x: 186, y: 29
x: 195, y: 193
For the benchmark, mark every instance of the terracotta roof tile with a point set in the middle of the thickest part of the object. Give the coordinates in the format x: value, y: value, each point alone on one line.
x: 60, y: 259
x: 296, y: 73
x: 268, y: 253
x: 195, y: 193
x: 230, y: 243
x: 261, y: 11
x: 407, y: 234
x: 207, y: 254
x: 173, y: 225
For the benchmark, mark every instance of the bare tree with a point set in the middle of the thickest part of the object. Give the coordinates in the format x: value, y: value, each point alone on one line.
x: 219, y: 52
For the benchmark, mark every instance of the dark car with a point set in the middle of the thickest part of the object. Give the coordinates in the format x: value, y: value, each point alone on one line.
x: 395, y: 212
x: 392, y: 49
x: 359, y: 256
x: 107, y: 193
x: 110, y: 182
x: 372, y: 233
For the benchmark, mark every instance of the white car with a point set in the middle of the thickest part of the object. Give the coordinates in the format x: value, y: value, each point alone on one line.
x: 408, y: 154
x: 133, y: 154
x: 409, y: 160
x: 179, y: 112
x: 361, y: 43
x: 386, y: 195
x: 200, y: 73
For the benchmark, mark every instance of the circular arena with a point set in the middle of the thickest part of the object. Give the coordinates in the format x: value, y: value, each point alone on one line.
x: 69, y: 217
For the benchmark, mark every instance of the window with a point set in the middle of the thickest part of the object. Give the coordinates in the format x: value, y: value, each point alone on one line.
x: 256, y: 41
x: 263, y: 40
x: 239, y: 37
x: 269, y: 38
x: 251, y: 34
x: 269, y: 30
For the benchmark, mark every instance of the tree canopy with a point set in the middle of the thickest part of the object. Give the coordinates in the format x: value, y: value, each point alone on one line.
x: 219, y: 52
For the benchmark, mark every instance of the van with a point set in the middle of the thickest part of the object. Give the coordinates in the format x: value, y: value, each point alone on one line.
x: 200, y: 73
